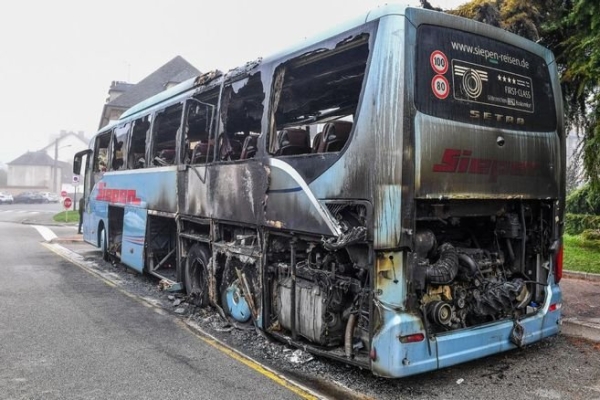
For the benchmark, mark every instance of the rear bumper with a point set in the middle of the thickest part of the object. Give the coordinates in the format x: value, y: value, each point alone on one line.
x: 395, y: 359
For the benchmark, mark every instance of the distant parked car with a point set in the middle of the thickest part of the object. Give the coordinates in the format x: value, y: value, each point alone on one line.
x: 51, y: 197
x: 6, y: 198
x: 30, y: 198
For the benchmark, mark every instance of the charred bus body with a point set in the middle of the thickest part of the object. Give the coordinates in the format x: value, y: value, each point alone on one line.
x: 390, y: 196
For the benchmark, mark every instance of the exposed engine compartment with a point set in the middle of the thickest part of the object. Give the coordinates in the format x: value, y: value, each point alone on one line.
x: 470, y: 263
x: 327, y: 280
x: 476, y: 268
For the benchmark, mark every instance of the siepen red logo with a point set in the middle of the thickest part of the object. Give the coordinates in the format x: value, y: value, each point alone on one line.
x: 124, y: 196
x: 460, y: 161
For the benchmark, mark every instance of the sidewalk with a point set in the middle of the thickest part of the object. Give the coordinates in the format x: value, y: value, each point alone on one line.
x: 580, y: 293
x: 581, y: 305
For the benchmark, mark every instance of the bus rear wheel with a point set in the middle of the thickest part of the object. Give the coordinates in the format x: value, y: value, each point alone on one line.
x: 196, y: 274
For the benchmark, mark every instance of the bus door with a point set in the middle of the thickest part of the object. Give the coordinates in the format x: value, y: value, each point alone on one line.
x: 77, y: 163
x: 134, y: 237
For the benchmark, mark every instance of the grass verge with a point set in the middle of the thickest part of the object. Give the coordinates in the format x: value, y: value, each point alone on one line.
x: 581, y: 254
x: 67, y: 216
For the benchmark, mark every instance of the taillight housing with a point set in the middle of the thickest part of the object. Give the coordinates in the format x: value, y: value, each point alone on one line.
x: 558, y: 264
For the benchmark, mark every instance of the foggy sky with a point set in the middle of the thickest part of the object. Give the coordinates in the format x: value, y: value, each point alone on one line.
x: 58, y: 58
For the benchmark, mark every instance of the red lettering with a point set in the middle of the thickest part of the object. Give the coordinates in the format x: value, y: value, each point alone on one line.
x: 499, y: 168
x: 460, y: 161
x: 449, y: 161
x: 463, y: 165
x: 480, y: 166
x: 123, y: 196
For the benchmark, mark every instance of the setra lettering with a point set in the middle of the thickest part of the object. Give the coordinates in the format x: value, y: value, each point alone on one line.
x: 489, y: 116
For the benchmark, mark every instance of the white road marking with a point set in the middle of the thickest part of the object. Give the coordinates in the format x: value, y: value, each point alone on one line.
x: 46, y: 233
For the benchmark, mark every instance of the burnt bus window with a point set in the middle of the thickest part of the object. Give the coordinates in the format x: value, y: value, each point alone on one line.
x: 469, y: 78
x: 242, y: 109
x: 101, y: 152
x: 121, y: 141
x: 316, y: 97
x: 137, y: 152
x: 164, y: 135
x: 198, y: 146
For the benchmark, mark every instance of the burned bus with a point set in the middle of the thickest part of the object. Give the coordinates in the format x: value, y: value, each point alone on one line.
x: 389, y: 195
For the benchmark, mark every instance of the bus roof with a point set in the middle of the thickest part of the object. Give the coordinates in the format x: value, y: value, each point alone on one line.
x: 366, y: 17
x: 393, y: 9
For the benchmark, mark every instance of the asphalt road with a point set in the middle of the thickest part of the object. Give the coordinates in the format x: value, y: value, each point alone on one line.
x: 29, y: 212
x: 65, y: 334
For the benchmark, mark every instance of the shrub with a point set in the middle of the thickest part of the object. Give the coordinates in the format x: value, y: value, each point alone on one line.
x: 584, y: 200
x: 575, y: 224
x: 591, y: 234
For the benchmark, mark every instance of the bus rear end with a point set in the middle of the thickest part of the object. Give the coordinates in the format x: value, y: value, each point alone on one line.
x: 486, y: 198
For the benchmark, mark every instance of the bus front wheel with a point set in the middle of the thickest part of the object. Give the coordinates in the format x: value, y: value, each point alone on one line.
x: 196, y: 274
x: 104, y: 245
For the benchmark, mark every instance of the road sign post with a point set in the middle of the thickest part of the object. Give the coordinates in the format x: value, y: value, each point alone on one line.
x: 67, y: 203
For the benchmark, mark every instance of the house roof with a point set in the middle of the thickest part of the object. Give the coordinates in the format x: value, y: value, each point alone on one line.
x: 120, y: 86
x: 41, y: 158
x: 177, y: 70
x: 36, y: 158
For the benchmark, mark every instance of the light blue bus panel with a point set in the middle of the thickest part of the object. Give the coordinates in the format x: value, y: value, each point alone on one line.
x: 134, y: 237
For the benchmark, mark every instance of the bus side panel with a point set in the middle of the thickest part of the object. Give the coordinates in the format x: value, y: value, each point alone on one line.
x: 134, y: 237
x: 237, y: 191
x: 226, y: 192
x: 291, y: 205
x: 151, y: 188
x: 96, y: 211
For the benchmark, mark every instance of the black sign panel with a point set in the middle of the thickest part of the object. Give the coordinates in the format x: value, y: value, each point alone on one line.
x: 469, y: 78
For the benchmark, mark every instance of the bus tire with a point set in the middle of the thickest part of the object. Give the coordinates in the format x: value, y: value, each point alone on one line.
x: 196, y: 274
x: 104, y: 245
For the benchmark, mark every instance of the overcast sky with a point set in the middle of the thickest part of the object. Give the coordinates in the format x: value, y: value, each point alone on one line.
x: 58, y: 58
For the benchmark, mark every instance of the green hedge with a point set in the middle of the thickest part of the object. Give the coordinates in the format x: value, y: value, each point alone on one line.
x: 575, y: 224
x: 584, y: 200
x: 591, y: 235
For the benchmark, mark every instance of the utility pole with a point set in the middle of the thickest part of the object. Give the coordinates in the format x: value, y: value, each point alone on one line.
x: 54, y: 172
x: 56, y: 180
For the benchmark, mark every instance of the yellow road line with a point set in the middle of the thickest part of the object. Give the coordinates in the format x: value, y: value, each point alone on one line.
x: 198, y: 332
x: 236, y: 355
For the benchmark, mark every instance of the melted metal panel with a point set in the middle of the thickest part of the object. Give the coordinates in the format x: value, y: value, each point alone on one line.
x: 371, y: 168
x: 237, y: 192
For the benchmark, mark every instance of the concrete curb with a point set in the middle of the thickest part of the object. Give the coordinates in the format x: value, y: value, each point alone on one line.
x: 67, y: 239
x: 586, y: 329
x: 588, y: 276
